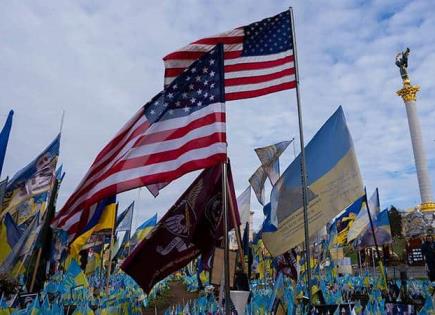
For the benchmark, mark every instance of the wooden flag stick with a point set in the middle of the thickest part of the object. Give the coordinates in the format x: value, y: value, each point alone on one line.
x: 236, y: 229
x: 35, y: 270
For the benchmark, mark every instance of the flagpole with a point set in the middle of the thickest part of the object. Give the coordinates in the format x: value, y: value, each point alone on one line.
x: 236, y: 230
x: 303, y: 165
x: 109, y: 267
x: 381, y: 269
x: 226, y: 245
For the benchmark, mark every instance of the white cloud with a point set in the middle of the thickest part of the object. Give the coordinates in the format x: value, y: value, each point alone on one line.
x: 99, y: 61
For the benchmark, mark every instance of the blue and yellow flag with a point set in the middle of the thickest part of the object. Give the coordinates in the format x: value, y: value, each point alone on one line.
x: 27, y: 192
x: 9, y: 236
x: 75, y: 274
x: 4, y: 138
x: 103, y: 219
x: 362, y: 221
x: 382, y: 228
x: 13, y: 263
x: 334, y: 182
x: 143, y: 230
x: 343, y: 223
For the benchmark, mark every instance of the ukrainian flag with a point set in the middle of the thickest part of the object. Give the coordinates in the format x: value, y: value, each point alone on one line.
x: 333, y: 179
x: 76, y: 274
x: 103, y: 219
x: 143, y: 230
x: 9, y: 236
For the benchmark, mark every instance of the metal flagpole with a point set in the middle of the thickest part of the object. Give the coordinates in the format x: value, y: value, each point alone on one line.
x: 109, y: 267
x: 226, y: 245
x: 303, y: 166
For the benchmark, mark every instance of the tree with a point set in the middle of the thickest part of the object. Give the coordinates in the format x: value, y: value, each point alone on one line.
x: 395, y: 222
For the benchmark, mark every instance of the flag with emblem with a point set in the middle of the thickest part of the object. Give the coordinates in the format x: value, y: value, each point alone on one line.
x: 180, y: 130
x: 192, y: 226
x: 258, y: 58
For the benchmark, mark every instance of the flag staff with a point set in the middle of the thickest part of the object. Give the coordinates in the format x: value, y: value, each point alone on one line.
x: 109, y: 267
x: 375, y: 240
x: 303, y: 166
x: 226, y: 245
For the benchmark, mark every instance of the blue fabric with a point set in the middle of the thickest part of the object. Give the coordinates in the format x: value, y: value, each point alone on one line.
x: 30, y: 169
x: 4, y: 138
x: 12, y: 231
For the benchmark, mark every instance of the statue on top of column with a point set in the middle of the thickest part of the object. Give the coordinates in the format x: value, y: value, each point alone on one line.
x: 402, y: 63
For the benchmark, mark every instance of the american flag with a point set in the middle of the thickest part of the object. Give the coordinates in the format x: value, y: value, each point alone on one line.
x: 258, y: 58
x: 180, y: 130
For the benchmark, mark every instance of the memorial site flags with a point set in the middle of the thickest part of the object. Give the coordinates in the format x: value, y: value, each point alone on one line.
x: 362, y: 221
x: 258, y: 58
x: 103, y: 218
x: 257, y: 181
x: 4, y: 138
x: 193, y: 225
x: 27, y: 192
x: 334, y: 182
x: 9, y: 236
x: 382, y: 228
x: 22, y: 247
x: 343, y: 223
x: 125, y: 219
x: 180, y: 130
x: 143, y: 230
x: 269, y: 157
x: 244, y: 205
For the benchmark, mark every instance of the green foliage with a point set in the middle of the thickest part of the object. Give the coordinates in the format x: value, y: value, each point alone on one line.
x: 395, y: 222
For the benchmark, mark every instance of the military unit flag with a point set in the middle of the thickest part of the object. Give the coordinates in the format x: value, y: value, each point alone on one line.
x: 193, y: 225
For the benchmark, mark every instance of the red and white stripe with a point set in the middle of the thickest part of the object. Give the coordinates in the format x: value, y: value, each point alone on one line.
x: 142, y: 154
x: 245, y: 77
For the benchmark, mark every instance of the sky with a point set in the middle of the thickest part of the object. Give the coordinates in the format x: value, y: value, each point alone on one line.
x: 99, y: 61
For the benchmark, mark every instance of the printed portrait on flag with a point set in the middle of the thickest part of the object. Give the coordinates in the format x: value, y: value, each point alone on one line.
x: 27, y: 191
x: 334, y: 181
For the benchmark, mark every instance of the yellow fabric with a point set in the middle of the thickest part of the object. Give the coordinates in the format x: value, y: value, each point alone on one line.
x: 6, y: 311
x: 143, y: 233
x: 93, y: 264
x: 107, y: 221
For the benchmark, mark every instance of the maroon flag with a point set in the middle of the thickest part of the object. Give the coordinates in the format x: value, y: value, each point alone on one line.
x: 192, y: 226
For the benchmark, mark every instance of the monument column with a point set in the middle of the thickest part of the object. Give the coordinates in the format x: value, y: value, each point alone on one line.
x: 409, y: 96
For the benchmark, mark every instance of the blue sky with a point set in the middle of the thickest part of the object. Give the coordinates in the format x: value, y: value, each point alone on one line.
x: 100, y: 60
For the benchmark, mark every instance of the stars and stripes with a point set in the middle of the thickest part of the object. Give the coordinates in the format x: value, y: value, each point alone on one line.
x: 181, y: 129
x: 258, y: 58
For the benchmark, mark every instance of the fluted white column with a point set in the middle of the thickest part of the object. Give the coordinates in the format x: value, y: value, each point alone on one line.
x: 409, y: 96
x: 424, y: 181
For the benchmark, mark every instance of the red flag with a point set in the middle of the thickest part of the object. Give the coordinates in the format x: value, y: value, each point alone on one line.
x: 192, y: 226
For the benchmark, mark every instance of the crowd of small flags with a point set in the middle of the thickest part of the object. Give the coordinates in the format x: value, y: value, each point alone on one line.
x: 360, y: 294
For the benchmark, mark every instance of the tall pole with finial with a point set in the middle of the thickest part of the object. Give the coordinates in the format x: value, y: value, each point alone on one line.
x: 408, y: 92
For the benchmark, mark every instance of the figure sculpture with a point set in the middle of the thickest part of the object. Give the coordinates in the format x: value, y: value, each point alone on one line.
x: 402, y: 63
